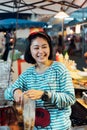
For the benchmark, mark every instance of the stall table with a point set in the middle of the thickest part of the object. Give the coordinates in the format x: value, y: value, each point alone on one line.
x: 79, y: 109
x: 81, y: 102
x: 78, y: 90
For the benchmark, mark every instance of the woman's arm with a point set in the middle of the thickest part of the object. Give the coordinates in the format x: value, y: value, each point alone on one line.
x: 12, y: 91
x: 65, y: 96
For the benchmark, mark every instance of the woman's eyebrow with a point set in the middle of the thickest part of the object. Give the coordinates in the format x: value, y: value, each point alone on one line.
x: 41, y: 45
x: 44, y: 45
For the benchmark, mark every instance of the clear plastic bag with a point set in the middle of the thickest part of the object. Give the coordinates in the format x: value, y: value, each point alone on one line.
x: 28, y: 113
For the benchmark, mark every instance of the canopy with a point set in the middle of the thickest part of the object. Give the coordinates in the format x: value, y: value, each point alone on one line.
x: 20, y: 23
x: 41, y: 6
x: 73, y: 22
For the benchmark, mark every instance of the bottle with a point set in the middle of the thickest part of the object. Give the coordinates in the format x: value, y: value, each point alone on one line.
x: 66, y: 56
x: 61, y: 59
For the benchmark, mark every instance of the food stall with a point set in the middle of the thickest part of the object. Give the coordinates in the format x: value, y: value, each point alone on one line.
x: 79, y: 78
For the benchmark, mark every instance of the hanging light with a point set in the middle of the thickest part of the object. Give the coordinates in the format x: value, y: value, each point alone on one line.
x: 61, y: 14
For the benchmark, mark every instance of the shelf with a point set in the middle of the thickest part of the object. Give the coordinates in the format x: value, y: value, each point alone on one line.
x: 76, y: 86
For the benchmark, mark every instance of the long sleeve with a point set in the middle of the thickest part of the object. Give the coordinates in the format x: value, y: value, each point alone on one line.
x: 65, y: 96
x: 18, y: 84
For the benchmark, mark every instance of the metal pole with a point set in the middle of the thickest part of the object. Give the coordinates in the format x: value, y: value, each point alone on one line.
x: 63, y: 31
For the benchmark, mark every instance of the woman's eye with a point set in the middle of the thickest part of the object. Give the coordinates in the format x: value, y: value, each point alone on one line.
x: 36, y: 48
x: 44, y: 46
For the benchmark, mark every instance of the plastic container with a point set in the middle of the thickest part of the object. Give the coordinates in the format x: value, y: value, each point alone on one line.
x: 84, y: 97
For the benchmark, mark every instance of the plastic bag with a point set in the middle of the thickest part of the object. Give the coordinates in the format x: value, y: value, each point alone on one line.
x: 28, y: 113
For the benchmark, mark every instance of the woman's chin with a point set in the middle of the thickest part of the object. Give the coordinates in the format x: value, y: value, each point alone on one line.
x: 42, y: 61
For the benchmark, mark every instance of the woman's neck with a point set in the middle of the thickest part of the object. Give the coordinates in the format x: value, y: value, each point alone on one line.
x: 40, y: 68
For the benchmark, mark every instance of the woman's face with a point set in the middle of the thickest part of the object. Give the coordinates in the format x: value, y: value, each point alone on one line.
x: 40, y: 50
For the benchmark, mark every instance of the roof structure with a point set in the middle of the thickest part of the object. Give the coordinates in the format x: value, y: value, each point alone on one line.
x: 41, y: 6
x: 45, y: 9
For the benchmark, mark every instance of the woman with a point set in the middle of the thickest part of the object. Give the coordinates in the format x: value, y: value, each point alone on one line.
x: 47, y: 82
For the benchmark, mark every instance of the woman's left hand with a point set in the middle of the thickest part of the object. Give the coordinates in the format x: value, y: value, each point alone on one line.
x: 34, y: 94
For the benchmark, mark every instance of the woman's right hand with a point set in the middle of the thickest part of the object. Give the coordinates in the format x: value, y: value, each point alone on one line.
x: 18, y: 96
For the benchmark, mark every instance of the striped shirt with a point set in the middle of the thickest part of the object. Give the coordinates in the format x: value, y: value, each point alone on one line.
x: 57, y: 80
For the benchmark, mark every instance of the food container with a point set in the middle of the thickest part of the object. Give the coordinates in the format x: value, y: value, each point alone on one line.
x: 28, y: 113
x: 84, y: 97
x: 85, y: 69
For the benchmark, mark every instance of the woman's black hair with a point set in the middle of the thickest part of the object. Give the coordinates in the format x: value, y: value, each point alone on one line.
x: 28, y: 57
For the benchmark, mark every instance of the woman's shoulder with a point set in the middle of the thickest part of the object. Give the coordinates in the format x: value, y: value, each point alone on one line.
x: 29, y: 70
x: 58, y: 66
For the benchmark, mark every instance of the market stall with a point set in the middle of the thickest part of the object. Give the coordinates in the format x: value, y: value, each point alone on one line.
x: 79, y: 77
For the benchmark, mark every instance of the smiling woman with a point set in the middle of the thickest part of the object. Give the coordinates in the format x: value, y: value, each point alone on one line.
x: 47, y: 82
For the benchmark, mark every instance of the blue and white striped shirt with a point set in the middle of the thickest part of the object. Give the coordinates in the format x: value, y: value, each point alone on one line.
x: 57, y: 80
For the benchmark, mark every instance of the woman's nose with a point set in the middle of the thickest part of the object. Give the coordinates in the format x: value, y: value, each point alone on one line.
x: 40, y: 50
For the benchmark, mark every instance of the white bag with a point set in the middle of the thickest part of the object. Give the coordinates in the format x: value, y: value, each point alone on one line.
x: 29, y: 113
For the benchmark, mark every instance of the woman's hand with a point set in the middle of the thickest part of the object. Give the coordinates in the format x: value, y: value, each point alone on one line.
x: 18, y: 96
x: 34, y: 94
